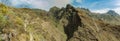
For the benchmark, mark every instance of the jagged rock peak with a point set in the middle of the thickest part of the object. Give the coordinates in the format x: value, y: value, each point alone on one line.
x: 69, y: 6
x: 112, y: 12
x: 54, y: 9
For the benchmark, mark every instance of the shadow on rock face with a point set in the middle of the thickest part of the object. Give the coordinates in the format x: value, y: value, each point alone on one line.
x: 73, y: 22
x: 70, y: 19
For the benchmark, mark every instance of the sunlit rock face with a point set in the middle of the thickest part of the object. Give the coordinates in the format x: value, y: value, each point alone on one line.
x: 57, y: 24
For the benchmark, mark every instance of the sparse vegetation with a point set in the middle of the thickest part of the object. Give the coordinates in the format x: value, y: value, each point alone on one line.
x: 65, y: 24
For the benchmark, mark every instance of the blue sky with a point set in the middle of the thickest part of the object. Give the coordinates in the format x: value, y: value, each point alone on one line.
x: 97, y: 6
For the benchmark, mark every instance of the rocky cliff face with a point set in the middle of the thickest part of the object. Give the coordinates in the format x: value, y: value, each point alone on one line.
x: 70, y: 19
x: 59, y: 24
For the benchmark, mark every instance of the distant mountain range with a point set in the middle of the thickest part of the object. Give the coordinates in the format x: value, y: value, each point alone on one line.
x: 58, y: 24
x: 113, y: 13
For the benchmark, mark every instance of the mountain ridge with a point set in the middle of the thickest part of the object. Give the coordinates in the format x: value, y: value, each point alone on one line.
x: 113, y: 13
x: 57, y: 24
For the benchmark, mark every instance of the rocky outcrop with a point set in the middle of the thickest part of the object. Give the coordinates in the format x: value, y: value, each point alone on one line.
x: 80, y: 25
x: 74, y: 21
x: 59, y: 24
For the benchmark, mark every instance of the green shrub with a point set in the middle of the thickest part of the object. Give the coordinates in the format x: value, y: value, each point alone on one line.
x: 3, y: 20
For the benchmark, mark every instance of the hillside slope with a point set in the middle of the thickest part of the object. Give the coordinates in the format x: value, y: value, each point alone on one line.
x: 58, y: 24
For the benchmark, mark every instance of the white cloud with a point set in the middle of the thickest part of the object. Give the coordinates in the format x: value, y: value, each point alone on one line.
x: 117, y: 10
x: 117, y: 4
x: 42, y: 4
x: 46, y: 4
x: 101, y: 10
